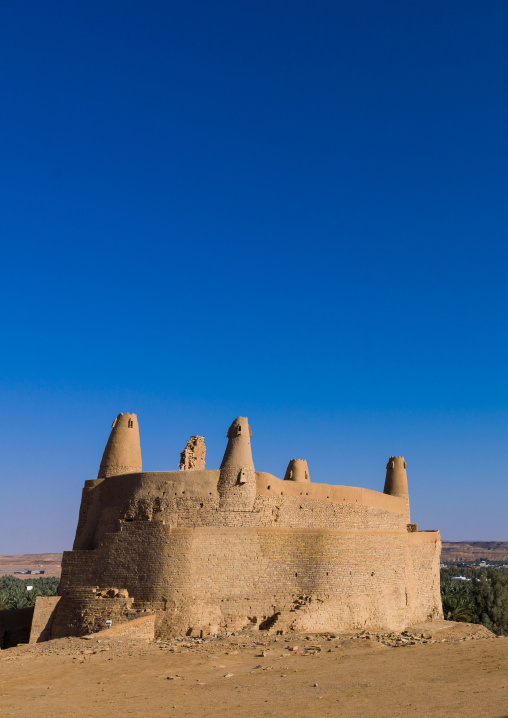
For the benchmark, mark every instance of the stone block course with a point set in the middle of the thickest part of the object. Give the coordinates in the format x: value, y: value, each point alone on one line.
x: 44, y: 612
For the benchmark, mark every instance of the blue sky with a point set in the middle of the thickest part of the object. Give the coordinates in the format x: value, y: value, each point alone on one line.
x: 291, y: 211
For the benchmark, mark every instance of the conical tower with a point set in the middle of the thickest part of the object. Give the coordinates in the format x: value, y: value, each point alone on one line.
x: 122, y: 454
x: 237, y: 479
x: 297, y: 470
x: 396, y: 480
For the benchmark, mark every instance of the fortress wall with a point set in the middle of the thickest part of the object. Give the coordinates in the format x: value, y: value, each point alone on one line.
x: 292, y: 511
x: 315, y: 579
x: 81, y: 613
x: 424, y: 594
x: 44, y: 612
x: 15, y: 626
x: 268, y: 510
x: 88, y: 515
x: 214, y: 579
x: 269, y: 485
x: 207, y: 551
x: 141, y: 495
x: 190, y: 498
x: 106, y: 583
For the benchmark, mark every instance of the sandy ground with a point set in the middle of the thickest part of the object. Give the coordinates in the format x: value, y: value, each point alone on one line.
x: 51, y: 563
x: 454, y: 670
x: 470, y: 551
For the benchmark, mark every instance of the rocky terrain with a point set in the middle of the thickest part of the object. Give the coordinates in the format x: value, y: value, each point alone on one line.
x: 436, y: 670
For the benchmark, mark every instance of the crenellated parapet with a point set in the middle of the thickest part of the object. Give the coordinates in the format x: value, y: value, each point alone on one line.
x: 396, y: 480
x: 297, y: 470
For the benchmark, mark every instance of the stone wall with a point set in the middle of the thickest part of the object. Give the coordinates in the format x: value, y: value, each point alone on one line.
x: 306, y: 557
x: 139, y: 629
x: 190, y: 499
x: 15, y: 626
x: 213, y: 579
x: 44, y: 612
x: 423, y: 577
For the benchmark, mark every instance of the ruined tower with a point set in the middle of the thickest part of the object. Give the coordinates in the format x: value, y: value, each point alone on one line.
x: 396, y: 480
x: 237, y: 478
x: 193, y: 456
x: 297, y: 470
x: 122, y: 454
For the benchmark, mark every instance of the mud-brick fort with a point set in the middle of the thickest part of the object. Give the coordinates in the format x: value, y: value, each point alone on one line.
x: 222, y: 550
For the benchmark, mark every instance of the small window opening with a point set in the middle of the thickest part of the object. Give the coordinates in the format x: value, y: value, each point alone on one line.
x: 131, y: 423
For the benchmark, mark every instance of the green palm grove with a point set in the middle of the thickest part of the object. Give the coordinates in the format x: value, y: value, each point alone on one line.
x: 483, y: 599
x: 14, y: 594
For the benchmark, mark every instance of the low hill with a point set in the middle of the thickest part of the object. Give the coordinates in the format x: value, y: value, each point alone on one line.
x: 474, y: 550
x: 50, y: 563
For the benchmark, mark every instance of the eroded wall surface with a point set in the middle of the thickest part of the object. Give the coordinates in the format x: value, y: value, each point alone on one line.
x: 193, y: 456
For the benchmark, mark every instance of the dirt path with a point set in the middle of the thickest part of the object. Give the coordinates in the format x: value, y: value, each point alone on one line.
x: 252, y: 676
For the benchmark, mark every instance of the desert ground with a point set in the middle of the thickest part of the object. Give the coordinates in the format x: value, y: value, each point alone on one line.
x: 470, y: 551
x: 436, y: 670
x: 50, y: 563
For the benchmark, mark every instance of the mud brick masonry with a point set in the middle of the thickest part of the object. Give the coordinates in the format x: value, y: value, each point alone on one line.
x: 207, y: 551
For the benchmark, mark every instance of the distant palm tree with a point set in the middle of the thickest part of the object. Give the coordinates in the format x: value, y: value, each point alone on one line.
x: 457, y: 604
x: 20, y: 601
x: 4, y: 601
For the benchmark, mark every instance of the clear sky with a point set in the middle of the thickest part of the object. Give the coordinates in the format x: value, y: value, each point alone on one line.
x: 291, y: 211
